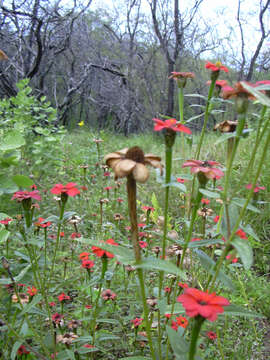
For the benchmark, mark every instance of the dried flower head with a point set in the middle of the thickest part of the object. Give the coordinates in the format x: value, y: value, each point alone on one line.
x: 108, y: 295
x: 74, y: 324
x: 66, y: 338
x: 24, y: 298
x: 3, y: 56
x: 226, y: 126
x: 132, y: 161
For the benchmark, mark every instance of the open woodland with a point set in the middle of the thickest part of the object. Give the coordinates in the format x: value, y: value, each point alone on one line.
x: 134, y: 180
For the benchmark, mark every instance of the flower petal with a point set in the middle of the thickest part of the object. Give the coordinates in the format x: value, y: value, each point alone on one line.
x: 124, y: 168
x: 140, y: 173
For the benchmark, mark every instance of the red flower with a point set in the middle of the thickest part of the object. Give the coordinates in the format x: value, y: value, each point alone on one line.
x: 181, y: 75
x: 119, y: 200
x: 5, y: 221
x: 88, y: 307
x: 22, y: 350
x: 87, y: 264
x: 63, y: 297
x: 167, y: 289
x: 195, y: 239
x: 170, y: 124
x: 62, y: 234
x: 141, y: 225
x: 69, y: 189
x: 148, y: 208
x: 182, y: 321
x: 238, y: 90
x: 106, y: 173
x: 207, y: 305
x: 23, y: 195
x: 143, y: 244
x: 211, y: 335
x: 219, y: 83
x: 232, y: 259
x: 205, y: 201
x: 52, y: 303
x: 88, y: 346
x: 249, y: 186
x: 84, y: 255
x: 41, y: 223
x: 136, y: 322
x: 216, y: 219
x: 216, y: 67
x: 180, y: 180
x: 241, y: 234
x: 205, y: 168
x: 108, y: 295
x: 108, y: 188
x: 183, y: 285
x: 75, y: 235
x: 56, y: 318
x: 99, y: 252
x: 32, y: 291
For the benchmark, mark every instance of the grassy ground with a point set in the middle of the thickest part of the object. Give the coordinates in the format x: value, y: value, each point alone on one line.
x: 239, y: 338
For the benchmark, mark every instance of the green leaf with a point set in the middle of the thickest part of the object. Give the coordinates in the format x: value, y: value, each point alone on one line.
x: 17, y: 278
x: 209, y: 264
x: 236, y: 310
x: 177, y: 309
x: 210, y: 194
x: 15, y: 349
x: 22, y: 181
x: 30, y: 305
x: 135, y: 358
x: 4, y: 234
x: 224, y: 137
x: 108, y: 337
x: 160, y: 265
x: 244, y: 251
x: 178, y: 185
x: 248, y: 229
x: 241, y: 202
x: 12, y: 140
x: 7, y: 186
x: 233, y: 215
x: 179, y: 345
x: 201, y: 243
x: 263, y: 99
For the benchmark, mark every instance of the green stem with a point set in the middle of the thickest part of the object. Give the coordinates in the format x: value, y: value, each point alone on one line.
x: 206, y: 116
x: 191, y: 225
x: 62, y: 210
x: 212, y: 278
x: 194, y: 337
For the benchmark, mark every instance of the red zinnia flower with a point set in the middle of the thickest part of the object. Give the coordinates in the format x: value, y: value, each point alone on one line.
x: 62, y: 234
x: 216, y: 67
x: 216, y: 219
x: 181, y: 75
x: 238, y: 90
x: 241, y: 234
x: 182, y: 321
x: 148, y: 208
x: 88, y: 346
x: 143, y: 244
x: 63, y: 297
x: 52, y: 303
x: 32, y: 291
x: 119, y: 200
x: 87, y: 264
x: 202, y: 303
x: 211, y: 335
x: 180, y: 180
x: 167, y: 289
x: 136, y: 322
x: 75, y: 235
x: 106, y: 173
x: 56, y: 318
x: 205, y: 168
x: 22, y: 350
x: 99, y: 252
x: 5, y: 221
x: 170, y: 124
x: 232, y: 259
x: 69, y: 189
x: 249, y: 186
x: 205, y: 201
x: 84, y: 255
x: 219, y: 83
x: 195, y: 239
x: 23, y: 195
x: 183, y: 285
x: 41, y: 223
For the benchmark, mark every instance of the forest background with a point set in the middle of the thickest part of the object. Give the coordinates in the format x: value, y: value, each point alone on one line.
x: 107, y: 63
